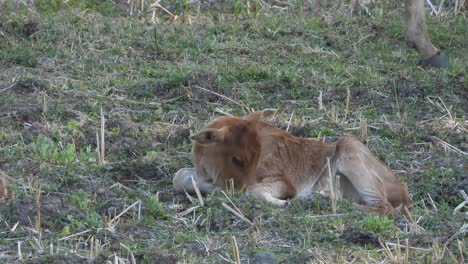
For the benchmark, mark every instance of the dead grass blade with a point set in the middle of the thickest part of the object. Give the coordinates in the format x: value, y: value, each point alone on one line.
x: 188, y: 211
x: 235, y: 250
x: 74, y: 235
x: 103, y: 143
x: 460, y: 232
x: 237, y: 213
x: 333, y: 188
x: 197, y: 191
x: 448, y: 147
x: 241, y: 104
x: 289, y: 123
x: 126, y: 210
x: 462, y: 204
x: 348, y: 96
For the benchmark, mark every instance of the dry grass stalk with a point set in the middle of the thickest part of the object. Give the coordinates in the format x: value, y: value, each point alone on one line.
x: 98, y: 149
x: 414, y: 227
x: 100, y: 141
x: 37, y: 217
x: 188, y: 211
x: 396, y: 100
x: 460, y: 251
x: 20, y: 255
x: 12, y: 229
x: 434, y: 11
x: 230, y: 188
x: 51, y: 249
x: 449, y: 147
x: 462, y: 204
x: 332, y: 183
x: 6, y: 193
x: 132, y: 257
x: 237, y: 213
x: 219, y: 111
x: 397, y: 257
x: 348, y: 96
x: 44, y: 103
x: 235, y: 250
x: 157, y: 5
x: 197, y: 191
x: 320, y: 101
x: 241, y: 104
x: 432, y: 202
x: 126, y: 210
x: 460, y: 232
x: 459, y: 4
x: 289, y: 122
x: 364, y: 129
x: 74, y: 235
x: 103, y: 143
x: 334, y: 114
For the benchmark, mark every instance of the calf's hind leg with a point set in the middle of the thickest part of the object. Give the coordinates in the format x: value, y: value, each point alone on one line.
x: 371, y: 179
x: 271, y: 190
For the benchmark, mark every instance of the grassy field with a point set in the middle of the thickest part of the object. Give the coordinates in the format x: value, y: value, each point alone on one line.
x: 158, y: 81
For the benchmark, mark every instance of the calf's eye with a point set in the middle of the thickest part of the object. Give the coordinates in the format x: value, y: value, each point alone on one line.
x: 238, y: 162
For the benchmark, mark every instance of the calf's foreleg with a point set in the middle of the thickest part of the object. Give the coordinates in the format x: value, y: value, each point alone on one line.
x: 183, y: 182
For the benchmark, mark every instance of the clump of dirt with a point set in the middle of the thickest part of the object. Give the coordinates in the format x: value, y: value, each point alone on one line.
x: 27, y: 114
x: 360, y: 237
x: 30, y: 28
x: 28, y: 86
x: 35, y: 130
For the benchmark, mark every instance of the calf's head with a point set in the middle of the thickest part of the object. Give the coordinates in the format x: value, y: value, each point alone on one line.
x: 226, y: 151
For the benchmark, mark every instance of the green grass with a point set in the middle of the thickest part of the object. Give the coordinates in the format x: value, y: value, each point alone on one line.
x: 85, y: 55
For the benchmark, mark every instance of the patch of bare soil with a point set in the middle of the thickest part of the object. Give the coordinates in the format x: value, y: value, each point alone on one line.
x: 67, y: 258
x: 56, y: 212
x: 28, y: 87
x: 157, y: 257
x: 263, y: 258
x: 318, y: 255
x: 206, y: 80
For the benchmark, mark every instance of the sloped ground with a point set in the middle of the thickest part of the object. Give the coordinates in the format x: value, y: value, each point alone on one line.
x: 156, y: 82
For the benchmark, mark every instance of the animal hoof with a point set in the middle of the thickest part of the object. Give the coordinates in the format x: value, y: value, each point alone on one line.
x: 438, y: 60
x: 183, y: 177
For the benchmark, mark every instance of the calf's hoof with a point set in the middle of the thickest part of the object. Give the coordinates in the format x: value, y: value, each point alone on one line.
x: 438, y: 60
x: 182, y: 179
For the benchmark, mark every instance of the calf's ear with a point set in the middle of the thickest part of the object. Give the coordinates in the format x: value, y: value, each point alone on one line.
x: 208, y: 136
x: 259, y: 115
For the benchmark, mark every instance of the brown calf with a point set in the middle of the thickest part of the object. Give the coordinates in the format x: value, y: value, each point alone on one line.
x: 274, y: 165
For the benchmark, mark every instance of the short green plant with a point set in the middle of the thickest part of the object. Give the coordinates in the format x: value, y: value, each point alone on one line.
x: 377, y: 224
x: 81, y: 200
x: 72, y: 125
x: 155, y: 208
x: 45, y: 149
x: 151, y: 154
